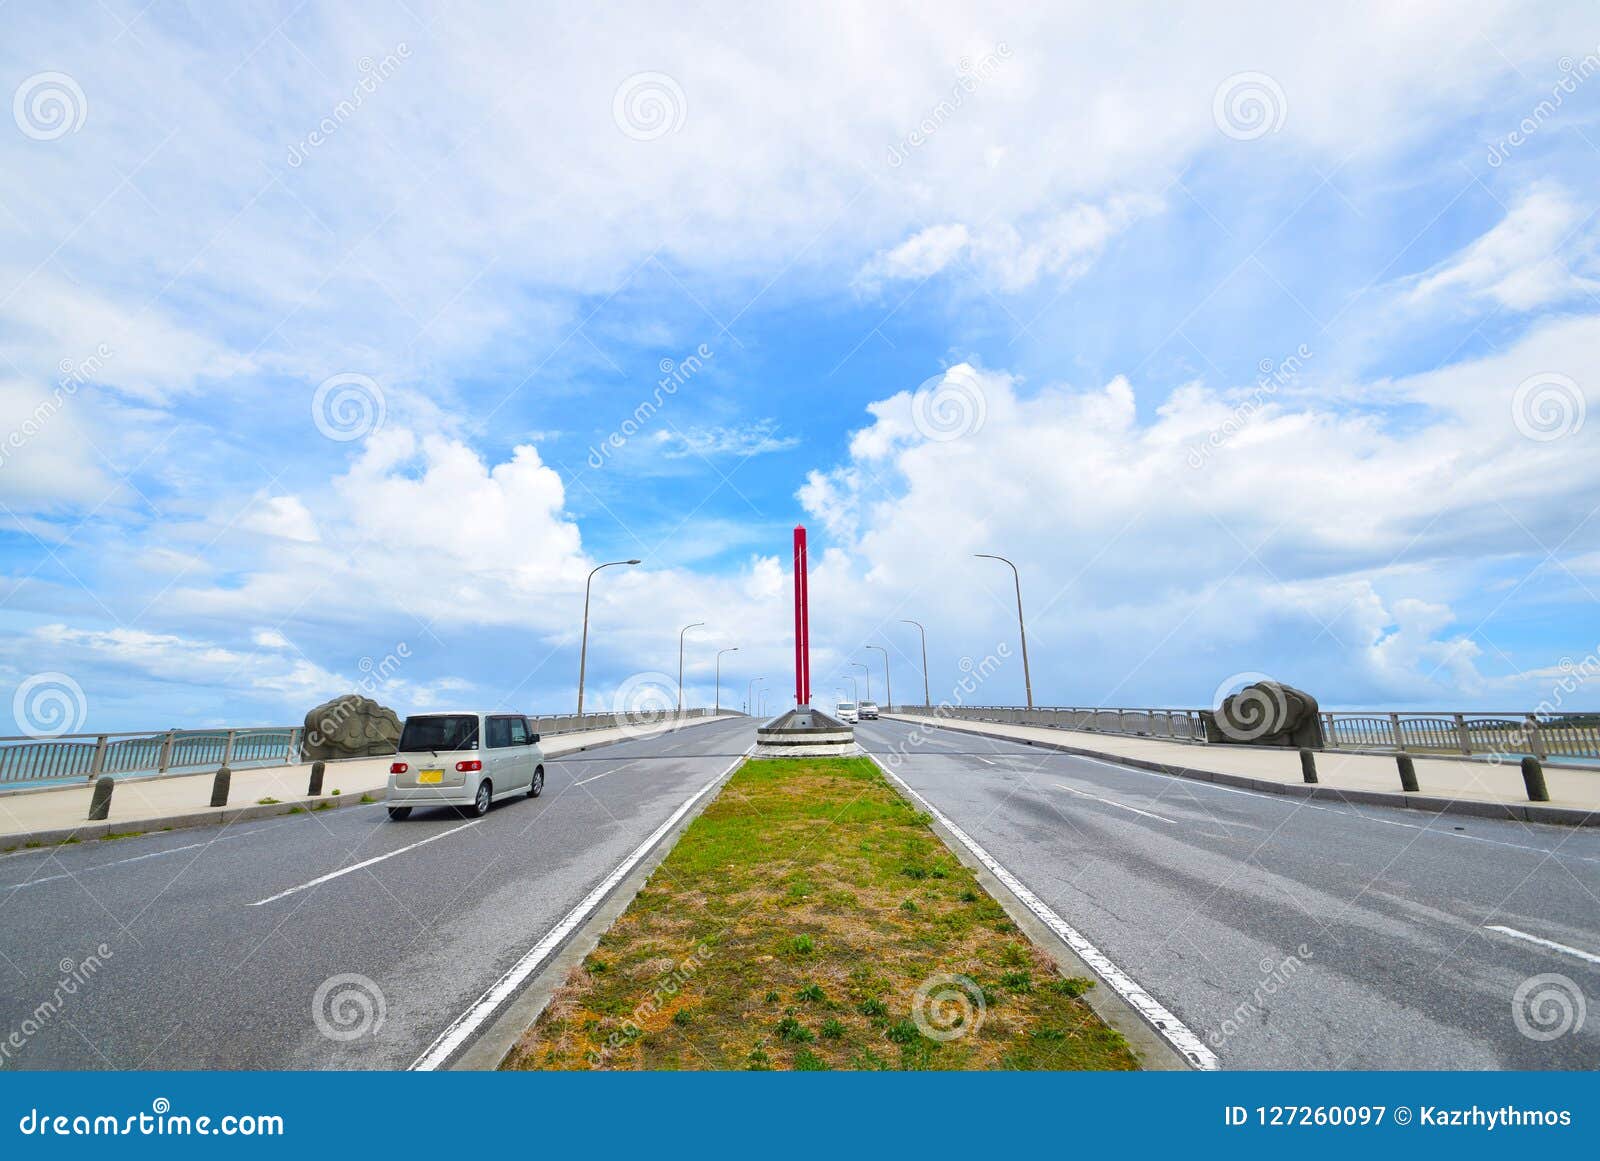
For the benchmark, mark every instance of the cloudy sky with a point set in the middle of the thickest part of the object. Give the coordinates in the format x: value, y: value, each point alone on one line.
x: 339, y: 342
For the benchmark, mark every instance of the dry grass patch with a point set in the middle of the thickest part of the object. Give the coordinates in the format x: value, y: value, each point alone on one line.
x: 792, y: 927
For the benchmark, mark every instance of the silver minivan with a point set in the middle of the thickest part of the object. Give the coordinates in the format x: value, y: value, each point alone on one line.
x: 465, y: 759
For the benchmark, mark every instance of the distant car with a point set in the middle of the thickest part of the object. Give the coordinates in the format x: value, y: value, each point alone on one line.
x: 869, y: 711
x: 465, y: 759
x: 847, y: 711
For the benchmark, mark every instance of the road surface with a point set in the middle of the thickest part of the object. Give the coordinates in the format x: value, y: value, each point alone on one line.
x: 1288, y: 934
x: 213, y: 965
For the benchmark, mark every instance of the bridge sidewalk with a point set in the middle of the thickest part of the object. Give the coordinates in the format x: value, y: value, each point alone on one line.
x: 58, y: 813
x: 1457, y: 787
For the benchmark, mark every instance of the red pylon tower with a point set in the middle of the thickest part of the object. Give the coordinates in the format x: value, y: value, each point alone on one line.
x: 802, y: 623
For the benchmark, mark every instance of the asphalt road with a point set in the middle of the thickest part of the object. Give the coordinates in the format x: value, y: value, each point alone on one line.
x: 1288, y: 934
x: 202, y: 973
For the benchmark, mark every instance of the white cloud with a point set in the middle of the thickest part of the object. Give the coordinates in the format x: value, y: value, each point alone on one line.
x: 1314, y: 543
x: 760, y: 438
x: 1063, y: 246
x: 47, y: 456
x: 283, y: 516
x: 1525, y: 261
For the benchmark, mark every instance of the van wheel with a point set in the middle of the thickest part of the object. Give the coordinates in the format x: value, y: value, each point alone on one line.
x: 480, y: 804
x: 536, y: 787
x: 399, y: 813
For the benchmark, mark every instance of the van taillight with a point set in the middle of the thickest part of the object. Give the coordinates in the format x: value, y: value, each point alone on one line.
x: 398, y: 767
x: 469, y: 766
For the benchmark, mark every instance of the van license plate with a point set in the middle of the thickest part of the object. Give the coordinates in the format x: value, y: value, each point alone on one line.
x: 429, y: 777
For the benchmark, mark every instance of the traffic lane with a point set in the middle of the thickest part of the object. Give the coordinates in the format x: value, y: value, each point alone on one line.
x: 1210, y: 906
x: 199, y: 978
x: 27, y: 869
x: 1235, y: 812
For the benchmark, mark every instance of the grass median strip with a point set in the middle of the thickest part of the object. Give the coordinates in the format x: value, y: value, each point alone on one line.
x: 810, y: 919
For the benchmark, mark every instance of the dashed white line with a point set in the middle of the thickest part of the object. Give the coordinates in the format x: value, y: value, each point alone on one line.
x: 124, y: 862
x: 597, y: 777
x: 363, y: 864
x: 1114, y: 802
x: 1579, y: 953
x: 468, y: 1023
x: 1173, y: 1030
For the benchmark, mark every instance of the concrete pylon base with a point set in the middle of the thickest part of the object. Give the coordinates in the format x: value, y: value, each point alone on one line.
x: 806, y: 733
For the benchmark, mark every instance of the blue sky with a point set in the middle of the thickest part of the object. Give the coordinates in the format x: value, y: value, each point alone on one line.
x: 1262, y: 341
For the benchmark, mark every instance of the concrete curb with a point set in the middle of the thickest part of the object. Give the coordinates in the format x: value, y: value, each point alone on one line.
x: 218, y: 816
x: 1430, y: 804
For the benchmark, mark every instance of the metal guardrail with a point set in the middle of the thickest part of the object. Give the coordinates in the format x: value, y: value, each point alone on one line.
x: 1444, y: 734
x: 26, y: 759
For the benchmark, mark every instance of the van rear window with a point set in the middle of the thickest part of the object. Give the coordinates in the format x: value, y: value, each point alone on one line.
x: 439, y: 732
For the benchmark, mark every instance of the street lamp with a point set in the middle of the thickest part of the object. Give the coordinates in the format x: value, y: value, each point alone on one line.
x: 855, y: 685
x: 720, y: 652
x: 750, y: 695
x: 681, y: 632
x: 583, y: 651
x: 869, y: 677
x: 888, y: 686
x: 926, y: 700
x: 1027, y: 679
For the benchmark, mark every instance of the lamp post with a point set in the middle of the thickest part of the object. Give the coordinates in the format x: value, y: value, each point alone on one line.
x: 720, y: 652
x: 681, y: 632
x: 926, y: 700
x: 1022, y: 631
x: 583, y: 650
x: 855, y: 685
x: 869, y: 677
x: 888, y: 686
x: 750, y: 695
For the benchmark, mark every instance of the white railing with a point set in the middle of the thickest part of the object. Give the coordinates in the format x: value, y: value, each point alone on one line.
x: 1573, y: 736
x: 28, y: 760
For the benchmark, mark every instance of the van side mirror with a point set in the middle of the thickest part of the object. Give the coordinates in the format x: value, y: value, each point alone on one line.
x: 533, y: 739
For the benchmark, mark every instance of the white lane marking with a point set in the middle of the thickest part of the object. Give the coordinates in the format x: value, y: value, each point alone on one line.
x: 1169, y: 1026
x: 468, y: 1023
x: 1349, y: 810
x: 319, y: 880
x: 984, y: 760
x: 597, y: 777
x: 1114, y: 802
x: 123, y: 862
x: 1589, y: 956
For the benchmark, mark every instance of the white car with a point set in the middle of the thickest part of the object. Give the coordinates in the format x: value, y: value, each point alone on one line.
x: 869, y: 711
x: 847, y: 711
x: 465, y: 759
